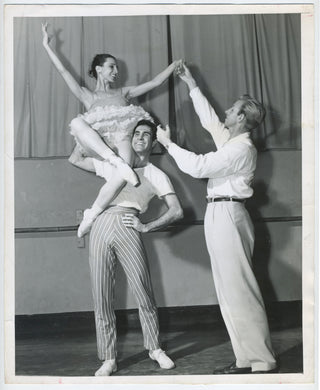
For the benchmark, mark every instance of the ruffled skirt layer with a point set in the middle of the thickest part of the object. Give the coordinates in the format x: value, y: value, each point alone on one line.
x: 115, y: 123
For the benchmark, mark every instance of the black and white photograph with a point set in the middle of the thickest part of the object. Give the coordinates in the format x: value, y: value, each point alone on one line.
x: 159, y: 201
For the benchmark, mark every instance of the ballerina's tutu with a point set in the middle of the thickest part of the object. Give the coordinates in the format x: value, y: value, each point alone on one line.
x: 115, y: 123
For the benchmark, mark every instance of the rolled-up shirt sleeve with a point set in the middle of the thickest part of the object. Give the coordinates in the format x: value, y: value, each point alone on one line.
x: 208, y: 118
x: 209, y: 165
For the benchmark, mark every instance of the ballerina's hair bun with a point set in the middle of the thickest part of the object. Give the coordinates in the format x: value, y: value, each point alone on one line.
x: 98, y: 60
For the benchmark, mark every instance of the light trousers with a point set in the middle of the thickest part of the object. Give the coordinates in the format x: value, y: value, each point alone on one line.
x: 110, y: 241
x: 230, y: 239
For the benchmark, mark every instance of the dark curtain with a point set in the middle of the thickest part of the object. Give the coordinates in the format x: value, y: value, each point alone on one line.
x: 228, y: 54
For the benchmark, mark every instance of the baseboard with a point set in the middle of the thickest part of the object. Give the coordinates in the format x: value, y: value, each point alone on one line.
x: 280, y: 314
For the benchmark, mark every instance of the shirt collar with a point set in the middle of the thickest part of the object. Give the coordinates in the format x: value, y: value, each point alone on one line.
x: 145, y: 166
x: 244, y: 137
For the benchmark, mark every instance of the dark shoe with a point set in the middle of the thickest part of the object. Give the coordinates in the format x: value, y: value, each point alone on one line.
x: 273, y: 371
x: 232, y: 369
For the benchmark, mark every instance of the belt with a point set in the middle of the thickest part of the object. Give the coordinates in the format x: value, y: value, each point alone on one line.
x: 225, y: 199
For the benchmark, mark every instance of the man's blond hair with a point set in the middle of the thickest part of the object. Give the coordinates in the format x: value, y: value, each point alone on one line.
x: 253, y: 111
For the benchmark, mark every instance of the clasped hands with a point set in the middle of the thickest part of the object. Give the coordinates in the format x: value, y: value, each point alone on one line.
x: 184, y: 73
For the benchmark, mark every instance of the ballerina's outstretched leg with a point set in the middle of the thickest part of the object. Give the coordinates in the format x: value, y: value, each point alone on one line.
x: 106, y: 194
x: 108, y: 191
x: 91, y: 141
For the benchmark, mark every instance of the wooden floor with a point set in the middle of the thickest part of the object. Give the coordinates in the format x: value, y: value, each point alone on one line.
x: 70, y: 350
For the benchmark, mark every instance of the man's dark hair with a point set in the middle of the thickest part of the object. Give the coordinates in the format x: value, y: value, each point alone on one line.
x: 151, y: 125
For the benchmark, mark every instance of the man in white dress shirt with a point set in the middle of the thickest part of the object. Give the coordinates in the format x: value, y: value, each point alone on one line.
x: 229, y: 230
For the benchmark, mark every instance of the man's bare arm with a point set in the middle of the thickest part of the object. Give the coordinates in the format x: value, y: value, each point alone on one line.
x: 173, y: 213
x: 81, y: 161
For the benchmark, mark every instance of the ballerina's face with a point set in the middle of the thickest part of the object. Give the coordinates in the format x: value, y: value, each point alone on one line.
x: 109, y: 70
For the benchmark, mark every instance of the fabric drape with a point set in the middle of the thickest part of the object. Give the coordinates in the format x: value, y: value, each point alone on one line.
x: 278, y: 40
x: 43, y: 103
x: 229, y: 55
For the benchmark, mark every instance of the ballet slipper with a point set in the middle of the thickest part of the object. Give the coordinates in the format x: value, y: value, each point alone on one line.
x: 86, y: 223
x: 124, y: 170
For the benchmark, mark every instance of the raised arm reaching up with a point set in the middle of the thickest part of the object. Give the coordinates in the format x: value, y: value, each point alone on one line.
x: 81, y: 93
x: 206, y: 113
x: 141, y: 89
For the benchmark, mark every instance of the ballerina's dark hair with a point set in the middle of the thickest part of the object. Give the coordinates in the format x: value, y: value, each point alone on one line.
x: 98, y: 60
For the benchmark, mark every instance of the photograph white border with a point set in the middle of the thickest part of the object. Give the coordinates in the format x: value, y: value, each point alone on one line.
x: 308, y: 182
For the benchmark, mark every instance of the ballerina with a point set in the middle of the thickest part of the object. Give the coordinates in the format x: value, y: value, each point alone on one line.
x: 104, y: 131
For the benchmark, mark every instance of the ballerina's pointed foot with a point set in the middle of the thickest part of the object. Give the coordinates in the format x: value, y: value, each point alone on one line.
x: 129, y: 175
x: 86, y: 223
x: 125, y: 171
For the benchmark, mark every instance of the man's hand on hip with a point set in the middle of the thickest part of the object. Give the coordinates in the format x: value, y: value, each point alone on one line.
x: 131, y: 221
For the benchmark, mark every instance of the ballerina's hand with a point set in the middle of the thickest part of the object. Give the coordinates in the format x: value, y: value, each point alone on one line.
x: 163, y: 136
x: 45, y: 35
x: 179, y: 67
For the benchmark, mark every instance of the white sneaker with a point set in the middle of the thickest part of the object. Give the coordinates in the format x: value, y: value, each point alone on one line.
x: 86, y: 223
x: 160, y: 356
x: 124, y: 170
x: 107, y: 368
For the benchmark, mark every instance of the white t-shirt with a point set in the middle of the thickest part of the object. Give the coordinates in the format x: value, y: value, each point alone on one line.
x: 152, y: 182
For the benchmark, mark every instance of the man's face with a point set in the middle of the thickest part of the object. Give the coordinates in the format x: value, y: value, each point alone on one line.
x: 142, y: 139
x: 232, y: 114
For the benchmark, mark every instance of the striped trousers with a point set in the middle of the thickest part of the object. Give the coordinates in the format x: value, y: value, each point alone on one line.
x: 230, y: 239
x: 110, y: 241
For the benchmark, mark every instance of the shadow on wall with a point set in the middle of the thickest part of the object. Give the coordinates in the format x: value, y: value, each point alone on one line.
x: 192, y: 137
x: 262, y: 247
x: 56, y: 44
x: 189, y: 133
x: 263, y: 242
x: 277, y: 131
